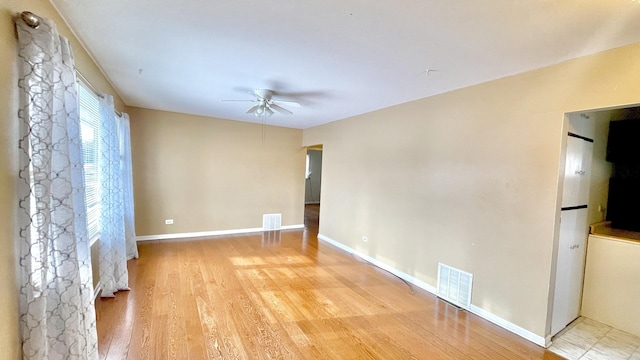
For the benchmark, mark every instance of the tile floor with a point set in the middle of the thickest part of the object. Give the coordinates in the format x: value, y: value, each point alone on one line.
x: 588, y: 339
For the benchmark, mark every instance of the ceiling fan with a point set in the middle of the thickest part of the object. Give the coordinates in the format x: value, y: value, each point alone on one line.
x: 265, y: 103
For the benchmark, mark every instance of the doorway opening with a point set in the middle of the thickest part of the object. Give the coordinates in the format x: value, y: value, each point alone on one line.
x: 313, y: 186
x: 574, y: 259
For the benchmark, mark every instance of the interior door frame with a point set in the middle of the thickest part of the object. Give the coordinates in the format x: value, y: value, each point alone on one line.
x: 560, y: 187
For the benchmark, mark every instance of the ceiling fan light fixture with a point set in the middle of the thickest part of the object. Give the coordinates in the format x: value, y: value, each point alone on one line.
x: 264, y: 104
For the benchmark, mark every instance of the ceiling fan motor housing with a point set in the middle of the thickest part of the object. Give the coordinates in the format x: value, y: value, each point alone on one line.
x: 265, y: 104
x: 263, y: 94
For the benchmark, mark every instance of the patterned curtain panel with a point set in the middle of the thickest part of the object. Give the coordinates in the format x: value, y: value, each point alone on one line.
x: 57, y: 316
x: 127, y: 175
x: 113, y: 247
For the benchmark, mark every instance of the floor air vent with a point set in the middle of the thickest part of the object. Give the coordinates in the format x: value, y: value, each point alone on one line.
x: 454, y: 285
x: 271, y: 222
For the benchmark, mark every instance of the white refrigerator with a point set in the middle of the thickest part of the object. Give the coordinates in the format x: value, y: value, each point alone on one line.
x: 574, y: 230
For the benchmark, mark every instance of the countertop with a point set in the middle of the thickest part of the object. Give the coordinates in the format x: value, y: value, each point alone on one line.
x: 604, y: 229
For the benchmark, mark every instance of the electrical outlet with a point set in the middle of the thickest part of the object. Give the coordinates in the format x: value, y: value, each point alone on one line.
x: 365, y: 239
x: 168, y: 222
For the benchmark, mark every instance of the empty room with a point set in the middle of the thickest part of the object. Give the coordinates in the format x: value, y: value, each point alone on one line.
x: 320, y: 180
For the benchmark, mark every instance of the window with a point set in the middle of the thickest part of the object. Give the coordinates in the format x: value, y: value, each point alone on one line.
x: 89, y: 129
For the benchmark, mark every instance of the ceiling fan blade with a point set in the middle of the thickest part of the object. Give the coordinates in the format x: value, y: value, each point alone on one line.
x: 280, y: 109
x: 253, y: 109
x: 238, y: 100
x: 288, y: 102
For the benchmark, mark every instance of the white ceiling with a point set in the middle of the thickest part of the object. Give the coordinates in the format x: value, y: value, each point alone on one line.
x: 338, y: 58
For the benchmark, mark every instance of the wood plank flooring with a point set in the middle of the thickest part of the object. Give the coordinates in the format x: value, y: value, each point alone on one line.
x: 281, y: 295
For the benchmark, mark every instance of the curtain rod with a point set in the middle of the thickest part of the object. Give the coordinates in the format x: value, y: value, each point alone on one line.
x: 33, y: 21
x: 93, y: 88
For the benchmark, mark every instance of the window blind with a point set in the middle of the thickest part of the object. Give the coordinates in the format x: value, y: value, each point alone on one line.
x: 89, y: 132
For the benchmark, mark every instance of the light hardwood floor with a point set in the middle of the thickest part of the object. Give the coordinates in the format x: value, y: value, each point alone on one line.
x: 281, y: 295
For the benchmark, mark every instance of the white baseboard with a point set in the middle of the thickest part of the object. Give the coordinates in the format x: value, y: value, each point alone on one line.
x: 97, y: 290
x: 419, y: 283
x: 291, y: 227
x: 522, y: 332
x: 210, y: 233
x: 536, y: 339
x: 548, y: 341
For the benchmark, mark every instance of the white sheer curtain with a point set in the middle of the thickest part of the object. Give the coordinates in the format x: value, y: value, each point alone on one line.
x: 127, y: 175
x: 113, y: 235
x: 57, y: 317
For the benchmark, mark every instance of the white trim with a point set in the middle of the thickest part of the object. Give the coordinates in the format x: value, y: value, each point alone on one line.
x: 292, y: 227
x: 378, y: 263
x: 93, y: 240
x: 211, y: 233
x: 96, y: 291
x: 536, y: 339
x: 312, y: 203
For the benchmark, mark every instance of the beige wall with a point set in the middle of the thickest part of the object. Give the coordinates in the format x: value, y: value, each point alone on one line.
x: 468, y: 178
x: 211, y: 175
x: 9, y: 341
